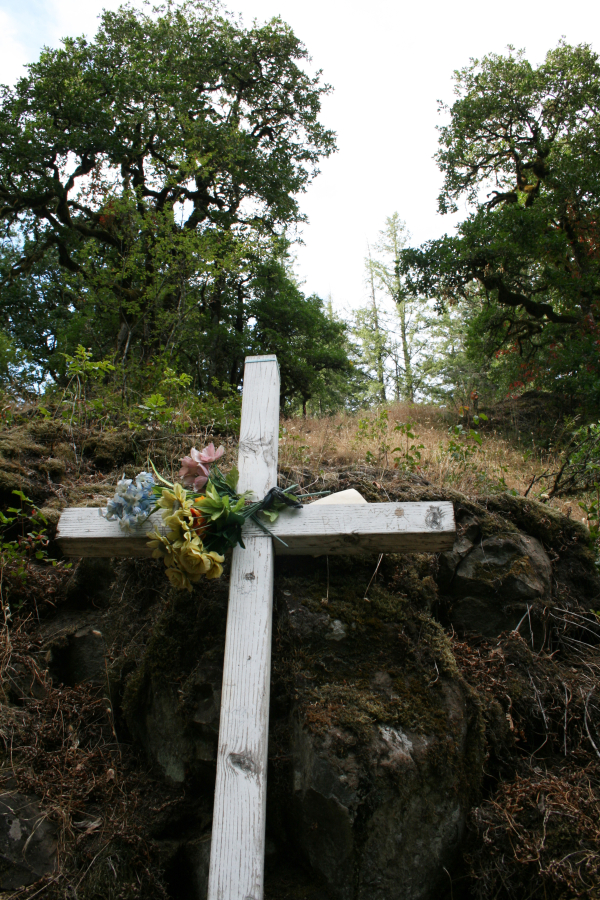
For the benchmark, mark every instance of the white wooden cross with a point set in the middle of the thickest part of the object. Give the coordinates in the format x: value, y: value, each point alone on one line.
x: 238, y: 835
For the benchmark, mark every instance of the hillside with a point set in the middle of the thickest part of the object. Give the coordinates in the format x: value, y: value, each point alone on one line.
x: 434, y: 724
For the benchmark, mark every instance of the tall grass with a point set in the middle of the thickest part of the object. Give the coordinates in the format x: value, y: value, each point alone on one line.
x: 366, y: 441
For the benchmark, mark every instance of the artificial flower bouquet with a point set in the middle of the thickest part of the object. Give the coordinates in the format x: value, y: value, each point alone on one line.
x: 203, y: 515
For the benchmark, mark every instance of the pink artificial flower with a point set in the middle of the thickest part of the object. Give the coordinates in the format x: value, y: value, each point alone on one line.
x: 193, y: 472
x: 194, y: 468
x: 209, y: 454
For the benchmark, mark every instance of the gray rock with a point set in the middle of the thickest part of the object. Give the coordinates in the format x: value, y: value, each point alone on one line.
x: 198, y: 853
x: 87, y: 651
x: 91, y: 583
x: 337, y: 630
x: 497, y: 581
x: 389, y: 841
x: 180, y: 733
x: 301, y: 622
x: 468, y: 531
x: 27, y: 841
x: 77, y: 651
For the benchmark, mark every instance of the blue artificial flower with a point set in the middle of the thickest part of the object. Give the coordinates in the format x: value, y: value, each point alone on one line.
x: 133, y: 501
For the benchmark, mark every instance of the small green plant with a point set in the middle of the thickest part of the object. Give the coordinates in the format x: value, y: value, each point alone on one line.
x: 27, y: 543
x: 592, y: 511
x: 409, y: 455
x: 23, y: 537
x: 81, y: 370
x: 175, y: 383
x: 220, y: 410
x: 464, y: 444
x: 155, y: 410
x: 376, y: 429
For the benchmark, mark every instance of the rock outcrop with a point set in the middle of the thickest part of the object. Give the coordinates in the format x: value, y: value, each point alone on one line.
x: 491, y: 583
x: 27, y: 841
x: 385, y: 722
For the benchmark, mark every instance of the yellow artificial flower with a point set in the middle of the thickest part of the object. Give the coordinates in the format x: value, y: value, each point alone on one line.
x: 178, y: 579
x: 216, y: 569
x: 181, y: 548
x: 161, y: 548
x: 174, y: 500
x: 178, y: 526
x: 193, y: 559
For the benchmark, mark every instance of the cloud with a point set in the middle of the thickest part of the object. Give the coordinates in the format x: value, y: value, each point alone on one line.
x: 13, y: 53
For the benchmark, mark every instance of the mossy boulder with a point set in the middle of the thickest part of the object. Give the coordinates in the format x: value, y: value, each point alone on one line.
x: 172, y: 699
x: 386, y: 742
x: 496, y: 582
x: 28, y: 462
x: 376, y: 745
x: 513, y: 558
x: 18, y: 442
x: 567, y: 542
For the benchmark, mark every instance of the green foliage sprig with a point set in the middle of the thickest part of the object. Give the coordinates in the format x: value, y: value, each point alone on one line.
x: 409, y: 457
x: 23, y: 538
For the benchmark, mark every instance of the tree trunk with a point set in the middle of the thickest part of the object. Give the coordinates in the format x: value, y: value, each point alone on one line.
x: 379, y: 340
x: 409, y: 388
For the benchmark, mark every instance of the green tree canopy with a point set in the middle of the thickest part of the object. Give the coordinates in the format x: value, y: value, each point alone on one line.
x: 147, y: 179
x: 522, y: 151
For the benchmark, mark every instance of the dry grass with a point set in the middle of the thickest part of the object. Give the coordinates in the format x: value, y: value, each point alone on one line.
x: 58, y: 745
x: 368, y: 440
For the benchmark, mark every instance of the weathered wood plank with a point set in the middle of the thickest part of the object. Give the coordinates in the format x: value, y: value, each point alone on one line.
x: 239, y: 813
x: 368, y: 528
x: 362, y: 528
x: 238, y: 833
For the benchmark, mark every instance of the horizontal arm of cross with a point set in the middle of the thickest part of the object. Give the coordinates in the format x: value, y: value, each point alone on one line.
x: 329, y: 529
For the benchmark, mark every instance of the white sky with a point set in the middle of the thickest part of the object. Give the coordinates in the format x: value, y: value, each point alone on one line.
x: 389, y: 62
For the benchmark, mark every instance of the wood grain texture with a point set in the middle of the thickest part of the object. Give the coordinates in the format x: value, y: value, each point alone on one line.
x: 344, y: 529
x: 238, y: 833
x: 239, y: 813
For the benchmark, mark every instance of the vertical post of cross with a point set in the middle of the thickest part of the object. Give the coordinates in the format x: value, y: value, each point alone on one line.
x: 238, y: 832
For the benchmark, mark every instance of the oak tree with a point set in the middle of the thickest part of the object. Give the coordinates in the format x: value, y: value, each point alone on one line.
x: 522, y: 150
x: 147, y: 178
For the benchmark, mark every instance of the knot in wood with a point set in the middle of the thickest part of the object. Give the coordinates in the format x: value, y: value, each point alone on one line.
x: 244, y: 762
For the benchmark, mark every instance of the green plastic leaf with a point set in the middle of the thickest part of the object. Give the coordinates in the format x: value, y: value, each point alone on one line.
x: 232, y: 478
x: 270, y: 514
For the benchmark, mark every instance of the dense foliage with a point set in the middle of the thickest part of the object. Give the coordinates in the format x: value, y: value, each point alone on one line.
x: 147, y: 182
x: 522, y: 150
